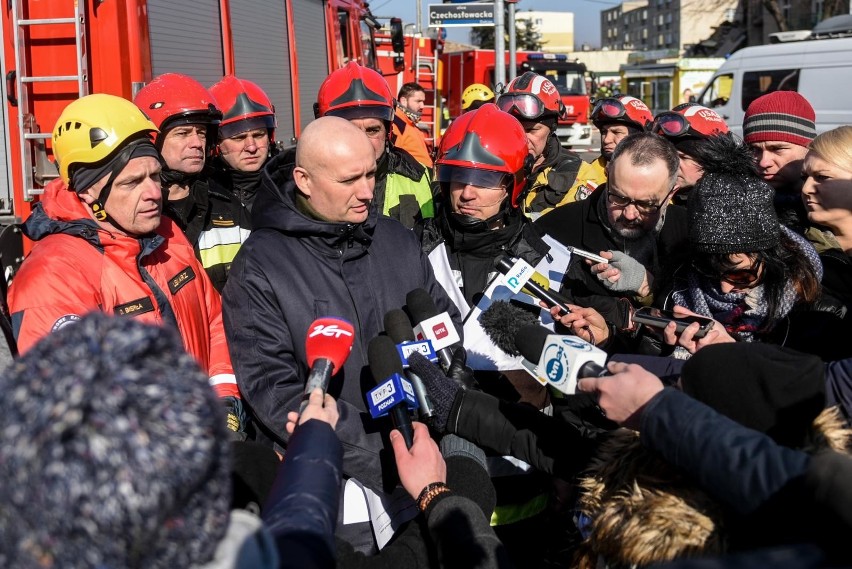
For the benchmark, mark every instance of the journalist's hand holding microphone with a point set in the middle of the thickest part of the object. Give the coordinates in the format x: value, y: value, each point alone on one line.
x: 321, y: 406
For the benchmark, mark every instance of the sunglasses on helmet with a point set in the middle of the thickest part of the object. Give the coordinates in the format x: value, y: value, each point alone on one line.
x: 674, y: 125
x: 523, y: 105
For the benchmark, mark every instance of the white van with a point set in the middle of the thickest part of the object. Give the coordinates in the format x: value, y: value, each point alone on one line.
x: 821, y: 70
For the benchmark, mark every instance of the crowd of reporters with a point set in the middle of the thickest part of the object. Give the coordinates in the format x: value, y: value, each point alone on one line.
x: 272, y: 284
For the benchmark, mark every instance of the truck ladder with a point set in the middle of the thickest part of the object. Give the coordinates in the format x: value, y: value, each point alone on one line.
x: 34, y: 163
x: 426, y: 75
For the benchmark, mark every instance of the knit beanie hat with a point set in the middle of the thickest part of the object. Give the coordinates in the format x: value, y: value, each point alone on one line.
x: 113, y: 452
x: 764, y: 387
x: 730, y: 209
x: 781, y: 115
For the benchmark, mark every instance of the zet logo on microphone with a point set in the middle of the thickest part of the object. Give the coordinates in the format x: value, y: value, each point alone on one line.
x: 330, y: 331
x: 440, y: 331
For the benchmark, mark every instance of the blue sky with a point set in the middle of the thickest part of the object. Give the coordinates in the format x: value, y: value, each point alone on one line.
x: 586, y: 14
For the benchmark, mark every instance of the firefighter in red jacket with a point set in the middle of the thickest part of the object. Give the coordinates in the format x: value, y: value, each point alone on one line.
x: 102, y: 243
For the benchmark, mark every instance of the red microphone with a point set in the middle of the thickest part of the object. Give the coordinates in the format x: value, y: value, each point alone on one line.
x: 328, y: 345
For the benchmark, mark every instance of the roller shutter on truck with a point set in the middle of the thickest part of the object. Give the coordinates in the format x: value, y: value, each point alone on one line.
x: 262, y: 55
x: 311, y: 53
x: 186, y: 37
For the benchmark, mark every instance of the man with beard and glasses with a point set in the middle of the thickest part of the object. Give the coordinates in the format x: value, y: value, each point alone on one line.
x: 630, y: 222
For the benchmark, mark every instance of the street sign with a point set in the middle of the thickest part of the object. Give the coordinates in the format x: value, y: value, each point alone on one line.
x: 472, y: 14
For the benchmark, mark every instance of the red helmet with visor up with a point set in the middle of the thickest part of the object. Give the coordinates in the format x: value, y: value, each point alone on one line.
x: 689, y: 120
x: 485, y: 147
x: 355, y: 92
x: 173, y: 99
x: 622, y: 109
x: 245, y: 106
x: 532, y: 97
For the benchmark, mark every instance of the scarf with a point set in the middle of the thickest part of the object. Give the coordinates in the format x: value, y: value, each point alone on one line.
x: 743, y: 313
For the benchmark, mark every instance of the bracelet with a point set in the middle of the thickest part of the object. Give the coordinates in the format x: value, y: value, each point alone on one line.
x: 430, y: 492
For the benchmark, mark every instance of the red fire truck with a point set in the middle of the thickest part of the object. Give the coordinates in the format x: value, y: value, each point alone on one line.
x: 571, y: 78
x: 55, y: 51
x: 406, y: 58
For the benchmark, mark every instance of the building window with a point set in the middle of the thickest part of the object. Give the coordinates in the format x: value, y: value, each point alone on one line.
x: 660, y: 39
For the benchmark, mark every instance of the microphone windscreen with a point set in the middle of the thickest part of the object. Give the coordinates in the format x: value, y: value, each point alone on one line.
x: 420, y: 305
x: 502, y: 320
x: 530, y: 341
x: 383, y: 358
x: 398, y: 326
x: 330, y: 339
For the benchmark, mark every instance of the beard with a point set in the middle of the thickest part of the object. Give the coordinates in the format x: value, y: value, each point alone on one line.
x: 629, y: 229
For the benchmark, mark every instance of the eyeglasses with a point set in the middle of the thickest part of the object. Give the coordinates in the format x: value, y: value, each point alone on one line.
x: 521, y: 104
x: 743, y: 277
x: 608, y: 108
x: 643, y: 207
x: 674, y: 125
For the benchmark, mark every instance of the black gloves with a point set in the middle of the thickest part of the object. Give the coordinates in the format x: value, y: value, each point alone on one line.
x: 442, y: 390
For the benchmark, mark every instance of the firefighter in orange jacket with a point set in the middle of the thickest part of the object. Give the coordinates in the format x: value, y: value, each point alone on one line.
x: 102, y: 243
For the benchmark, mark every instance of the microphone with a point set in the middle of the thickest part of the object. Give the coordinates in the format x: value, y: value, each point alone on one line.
x: 561, y: 360
x: 501, y: 322
x: 437, y: 328
x: 520, y: 276
x: 393, y: 394
x: 327, y: 346
x: 398, y: 328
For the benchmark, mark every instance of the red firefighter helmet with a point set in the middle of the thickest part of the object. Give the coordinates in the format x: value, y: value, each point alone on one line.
x: 173, y: 99
x: 245, y: 106
x: 485, y: 147
x: 532, y: 97
x: 622, y: 109
x: 355, y: 92
x: 689, y: 120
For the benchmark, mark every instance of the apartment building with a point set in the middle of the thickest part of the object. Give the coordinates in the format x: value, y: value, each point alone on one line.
x: 669, y: 25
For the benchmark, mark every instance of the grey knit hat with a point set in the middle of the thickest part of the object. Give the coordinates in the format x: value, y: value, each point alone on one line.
x: 113, y: 452
x: 730, y: 209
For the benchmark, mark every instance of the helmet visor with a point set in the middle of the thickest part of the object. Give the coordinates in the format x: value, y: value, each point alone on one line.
x: 521, y: 105
x: 473, y: 176
x: 672, y: 124
x: 611, y: 109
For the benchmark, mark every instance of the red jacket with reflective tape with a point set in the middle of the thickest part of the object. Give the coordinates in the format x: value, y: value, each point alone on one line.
x: 76, y: 267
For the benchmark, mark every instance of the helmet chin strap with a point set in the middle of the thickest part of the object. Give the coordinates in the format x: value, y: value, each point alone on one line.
x: 474, y: 224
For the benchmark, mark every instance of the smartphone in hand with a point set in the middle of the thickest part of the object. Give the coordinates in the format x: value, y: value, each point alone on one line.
x: 657, y: 318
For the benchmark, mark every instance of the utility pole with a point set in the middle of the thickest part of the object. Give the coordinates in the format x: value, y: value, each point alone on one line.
x: 499, y: 46
x: 419, y: 28
x: 513, y: 41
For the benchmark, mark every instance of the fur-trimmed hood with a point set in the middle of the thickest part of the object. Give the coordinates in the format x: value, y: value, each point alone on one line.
x: 641, y: 510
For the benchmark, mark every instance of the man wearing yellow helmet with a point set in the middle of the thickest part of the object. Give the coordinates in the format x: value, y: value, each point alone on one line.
x: 475, y: 96
x: 102, y: 243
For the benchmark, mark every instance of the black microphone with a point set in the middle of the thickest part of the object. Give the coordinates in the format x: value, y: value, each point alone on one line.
x: 532, y: 283
x: 390, y: 396
x: 432, y: 326
x: 501, y: 322
x: 398, y: 328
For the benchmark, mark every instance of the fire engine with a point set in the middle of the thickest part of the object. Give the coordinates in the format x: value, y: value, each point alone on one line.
x: 55, y: 51
x: 571, y: 78
x: 412, y: 58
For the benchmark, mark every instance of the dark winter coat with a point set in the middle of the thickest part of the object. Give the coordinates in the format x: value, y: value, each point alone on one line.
x: 294, y: 269
x: 579, y: 224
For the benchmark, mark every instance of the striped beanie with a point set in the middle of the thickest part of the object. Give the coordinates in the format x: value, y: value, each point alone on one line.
x: 781, y: 115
